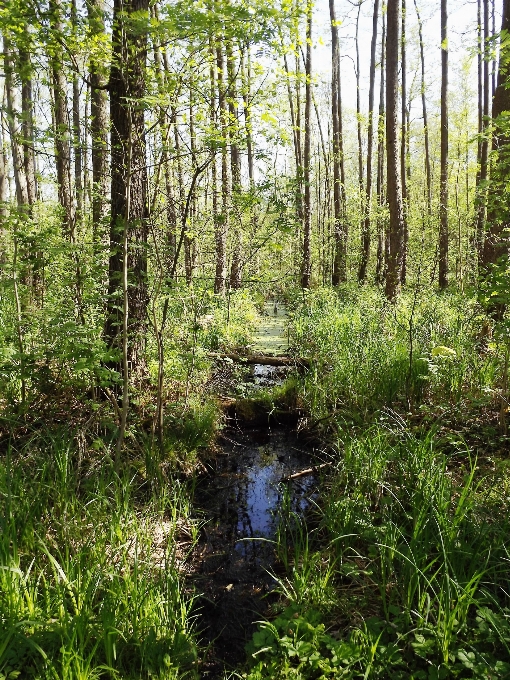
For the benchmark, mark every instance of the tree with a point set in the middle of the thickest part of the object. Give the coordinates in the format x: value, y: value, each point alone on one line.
x: 365, y: 250
x: 62, y: 132
x: 443, y: 197
x: 396, y: 225
x: 498, y: 214
x: 428, y: 173
x: 127, y: 289
x: 98, y: 118
x: 306, y: 272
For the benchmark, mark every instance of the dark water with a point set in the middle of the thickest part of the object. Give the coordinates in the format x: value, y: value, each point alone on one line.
x: 236, y: 556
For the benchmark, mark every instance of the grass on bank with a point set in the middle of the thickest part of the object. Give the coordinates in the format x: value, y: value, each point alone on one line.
x: 401, y: 571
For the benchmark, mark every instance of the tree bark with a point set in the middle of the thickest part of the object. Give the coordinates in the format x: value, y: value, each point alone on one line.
x: 484, y: 150
x: 381, y: 197
x: 236, y: 270
x: 306, y: 272
x: 428, y: 174
x: 129, y: 211
x: 443, y: 198
x: 365, y: 238
x: 222, y: 221
x: 18, y: 166
x: 396, y: 226
x: 98, y: 124
x: 498, y: 214
x: 403, y: 141
x: 27, y: 118
x: 61, y: 123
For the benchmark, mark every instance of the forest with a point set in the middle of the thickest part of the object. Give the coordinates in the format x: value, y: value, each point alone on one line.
x: 254, y: 339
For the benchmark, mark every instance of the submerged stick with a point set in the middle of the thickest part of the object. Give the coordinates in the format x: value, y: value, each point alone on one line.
x: 302, y: 473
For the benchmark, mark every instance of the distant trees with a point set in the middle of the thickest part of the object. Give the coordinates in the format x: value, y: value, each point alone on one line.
x: 197, y: 146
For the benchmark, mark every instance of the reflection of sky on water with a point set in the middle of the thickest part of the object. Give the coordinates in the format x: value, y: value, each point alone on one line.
x: 259, y: 492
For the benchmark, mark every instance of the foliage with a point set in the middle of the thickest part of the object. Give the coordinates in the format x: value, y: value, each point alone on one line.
x: 417, y: 554
x: 367, y: 354
x: 89, y: 572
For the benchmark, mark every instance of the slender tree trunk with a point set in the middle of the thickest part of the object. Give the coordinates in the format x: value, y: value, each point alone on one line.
x: 381, y: 198
x: 236, y: 270
x: 222, y: 221
x: 498, y: 214
x: 246, y: 81
x: 396, y: 226
x: 358, y: 110
x: 98, y: 123
x: 403, y: 141
x: 4, y: 196
x: 307, y: 222
x: 129, y: 211
x: 27, y: 118
x: 179, y: 193
x: 62, y: 131
x: 484, y: 151
x: 428, y: 173
x: 77, y: 145
x: 443, y: 198
x: 339, y: 229
x: 18, y: 166
x: 365, y: 239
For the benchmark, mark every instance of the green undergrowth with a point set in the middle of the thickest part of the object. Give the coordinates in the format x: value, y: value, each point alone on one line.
x: 91, y: 580
x: 367, y: 354
x: 404, y: 575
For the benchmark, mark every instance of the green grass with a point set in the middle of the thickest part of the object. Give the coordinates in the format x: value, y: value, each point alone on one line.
x: 367, y: 355
x: 90, y: 582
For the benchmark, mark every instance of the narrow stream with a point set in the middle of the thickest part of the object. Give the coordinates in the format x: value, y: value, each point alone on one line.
x: 235, y: 561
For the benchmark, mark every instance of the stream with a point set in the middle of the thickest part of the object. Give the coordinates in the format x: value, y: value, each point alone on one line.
x: 235, y: 562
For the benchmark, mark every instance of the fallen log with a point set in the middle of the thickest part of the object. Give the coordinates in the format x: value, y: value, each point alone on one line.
x: 264, y: 359
x: 302, y: 473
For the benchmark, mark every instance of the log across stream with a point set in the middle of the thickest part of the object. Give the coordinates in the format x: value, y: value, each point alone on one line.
x: 240, y: 501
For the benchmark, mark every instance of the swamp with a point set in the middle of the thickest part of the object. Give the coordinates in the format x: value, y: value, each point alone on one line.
x: 254, y: 340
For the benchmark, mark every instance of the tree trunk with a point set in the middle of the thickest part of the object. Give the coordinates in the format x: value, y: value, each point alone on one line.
x: 484, y: 150
x: 77, y: 145
x: 62, y: 131
x: 381, y: 197
x: 129, y: 212
x: 18, y: 166
x: 236, y: 270
x: 358, y: 111
x: 222, y: 220
x: 498, y: 214
x: 403, y: 141
x: 98, y: 123
x: 306, y: 272
x: 365, y: 238
x: 443, y: 198
x: 396, y: 226
x: 339, y: 229
x: 428, y: 174
x: 27, y: 118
